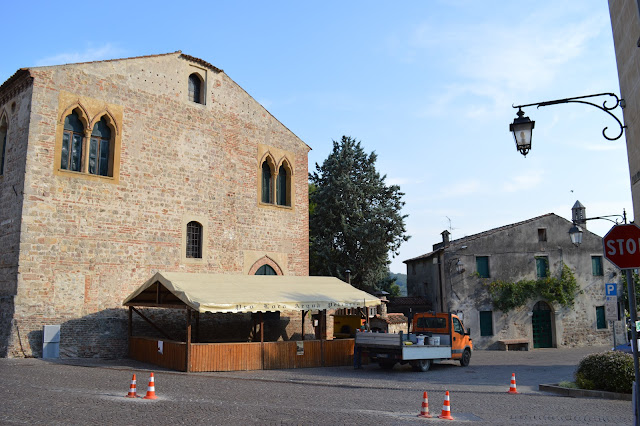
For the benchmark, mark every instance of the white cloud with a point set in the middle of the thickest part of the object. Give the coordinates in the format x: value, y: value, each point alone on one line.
x: 91, y: 53
x: 402, y: 181
x: 527, y: 180
x: 500, y: 59
x: 462, y: 188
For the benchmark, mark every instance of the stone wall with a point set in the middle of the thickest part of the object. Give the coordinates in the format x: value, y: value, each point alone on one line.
x: 87, y: 242
x: 626, y: 29
x: 512, y: 252
x: 15, y: 108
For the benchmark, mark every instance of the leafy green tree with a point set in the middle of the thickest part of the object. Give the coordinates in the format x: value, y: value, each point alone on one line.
x: 624, y: 296
x: 356, y: 219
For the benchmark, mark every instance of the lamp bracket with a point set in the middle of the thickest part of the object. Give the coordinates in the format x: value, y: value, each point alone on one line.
x: 579, y: 100
x: 620, y: 218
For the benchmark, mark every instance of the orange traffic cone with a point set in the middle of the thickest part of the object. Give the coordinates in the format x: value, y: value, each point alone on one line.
x: 424, y: 411
x: 512, y: 387
x: 446, y: 408
x: 151, y: 390
x: 132, y: 388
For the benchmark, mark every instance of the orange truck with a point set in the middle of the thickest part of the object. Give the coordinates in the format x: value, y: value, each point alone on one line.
x: 434, y: 337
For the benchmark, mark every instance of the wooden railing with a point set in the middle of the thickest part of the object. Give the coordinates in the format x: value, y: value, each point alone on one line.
x: 146, y: 350
x: 243, y: 356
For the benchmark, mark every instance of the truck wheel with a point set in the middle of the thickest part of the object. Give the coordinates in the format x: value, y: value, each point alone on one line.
x: 421, y: 365
x: 386, y: 364
x: 466, y: 357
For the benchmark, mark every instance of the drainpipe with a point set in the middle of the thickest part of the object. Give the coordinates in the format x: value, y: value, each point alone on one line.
x: 440, y: 280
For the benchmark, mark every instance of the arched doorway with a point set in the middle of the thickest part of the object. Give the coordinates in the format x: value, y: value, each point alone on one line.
x: 542, y: 323
x: 266, y: 270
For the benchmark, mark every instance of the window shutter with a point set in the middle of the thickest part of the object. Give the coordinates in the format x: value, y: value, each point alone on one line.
x: 600, y: 317
x: 486, y: 323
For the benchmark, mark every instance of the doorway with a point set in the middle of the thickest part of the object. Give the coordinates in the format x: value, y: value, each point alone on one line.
x: 542, y: 326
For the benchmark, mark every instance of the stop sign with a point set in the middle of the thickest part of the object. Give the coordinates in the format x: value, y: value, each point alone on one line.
x: 622, y: 246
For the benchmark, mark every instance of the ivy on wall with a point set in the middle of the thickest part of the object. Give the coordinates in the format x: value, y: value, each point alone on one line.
x: 509, y: 295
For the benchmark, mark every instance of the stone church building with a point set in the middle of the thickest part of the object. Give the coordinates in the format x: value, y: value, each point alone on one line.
x: 455, y: 275
x: 113, y: 170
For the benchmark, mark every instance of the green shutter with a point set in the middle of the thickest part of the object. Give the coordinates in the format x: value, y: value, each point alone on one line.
x: 482, y: 266
x: 486, y: 323
x: 596, y: 265
x: 600, y: 318
x: 542, y: 265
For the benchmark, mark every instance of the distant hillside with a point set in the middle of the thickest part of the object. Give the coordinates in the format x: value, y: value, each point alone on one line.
x: 401, y: 281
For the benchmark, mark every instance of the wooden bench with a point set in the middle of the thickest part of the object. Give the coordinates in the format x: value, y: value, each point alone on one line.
x: 514, y: 344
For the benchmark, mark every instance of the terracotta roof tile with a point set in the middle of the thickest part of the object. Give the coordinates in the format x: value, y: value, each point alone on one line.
x: 201, y: 62
x: 480, y: 235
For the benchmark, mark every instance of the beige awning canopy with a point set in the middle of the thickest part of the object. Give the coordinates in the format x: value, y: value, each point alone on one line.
x: 247, y: 293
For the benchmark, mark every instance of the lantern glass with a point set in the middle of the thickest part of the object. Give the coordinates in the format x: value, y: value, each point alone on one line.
x: 575, y: 233
x: 522, y: 128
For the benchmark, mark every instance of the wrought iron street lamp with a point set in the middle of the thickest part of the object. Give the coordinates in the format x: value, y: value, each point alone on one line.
x: 575, y: 232
x: 522, y: 127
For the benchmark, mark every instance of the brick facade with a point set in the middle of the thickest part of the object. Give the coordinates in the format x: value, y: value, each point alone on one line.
x: 85, y: 242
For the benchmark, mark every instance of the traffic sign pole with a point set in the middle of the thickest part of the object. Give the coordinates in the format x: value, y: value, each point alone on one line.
x: 631, y: 290
x: 621, y: 246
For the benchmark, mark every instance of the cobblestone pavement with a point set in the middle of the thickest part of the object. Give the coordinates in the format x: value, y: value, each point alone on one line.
x: 34, y: 391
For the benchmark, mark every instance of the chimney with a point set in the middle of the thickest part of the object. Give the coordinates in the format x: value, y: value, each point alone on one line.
x: 383, y: 308
x: 579, y: 214
x: 445, y: 237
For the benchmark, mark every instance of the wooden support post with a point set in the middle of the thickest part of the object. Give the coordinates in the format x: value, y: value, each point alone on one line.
x: 262, y: 341
x: 130, y: 321
x: 188, y: 343
x: 366, y: 313
x: 303, y: 315
x: 197, y: 326
x: 323, y: 330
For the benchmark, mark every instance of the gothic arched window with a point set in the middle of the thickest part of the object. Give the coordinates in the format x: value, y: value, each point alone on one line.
x: 71, y: 158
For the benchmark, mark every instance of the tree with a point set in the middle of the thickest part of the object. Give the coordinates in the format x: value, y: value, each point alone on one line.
x: 624, y: 294
x: 356, y: 219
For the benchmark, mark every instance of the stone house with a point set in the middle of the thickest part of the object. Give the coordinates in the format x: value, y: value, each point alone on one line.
x: 455, y: 275
x: 388, y: 322
x: 113, y: 170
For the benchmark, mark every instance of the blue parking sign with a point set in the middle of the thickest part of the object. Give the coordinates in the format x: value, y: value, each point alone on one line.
x: 611, y: 289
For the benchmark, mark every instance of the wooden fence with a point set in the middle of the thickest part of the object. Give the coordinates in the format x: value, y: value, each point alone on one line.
x: 243, y: 356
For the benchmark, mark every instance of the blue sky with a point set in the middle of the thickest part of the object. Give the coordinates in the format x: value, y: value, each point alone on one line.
x: 427, y: 85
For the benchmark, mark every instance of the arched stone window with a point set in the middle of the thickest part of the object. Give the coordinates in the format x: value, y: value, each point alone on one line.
x: 265, y: 266
x: 195, y: 88
x: 283, y: 184
x: 100, y: 149
x: 282, y: 187
x: 3, y: 142
x: 267, y: 186
x: 266, y: 270
x: 71, y: 153
x: 194, y: 240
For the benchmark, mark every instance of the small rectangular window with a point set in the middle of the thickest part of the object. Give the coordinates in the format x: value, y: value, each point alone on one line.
x: 596, y: 266
x: 482, y: 266
x: 542, y: 234
x: 432, y: 322
x: 542, y: 266
x: 486, y: 323
x: 600, y: 318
